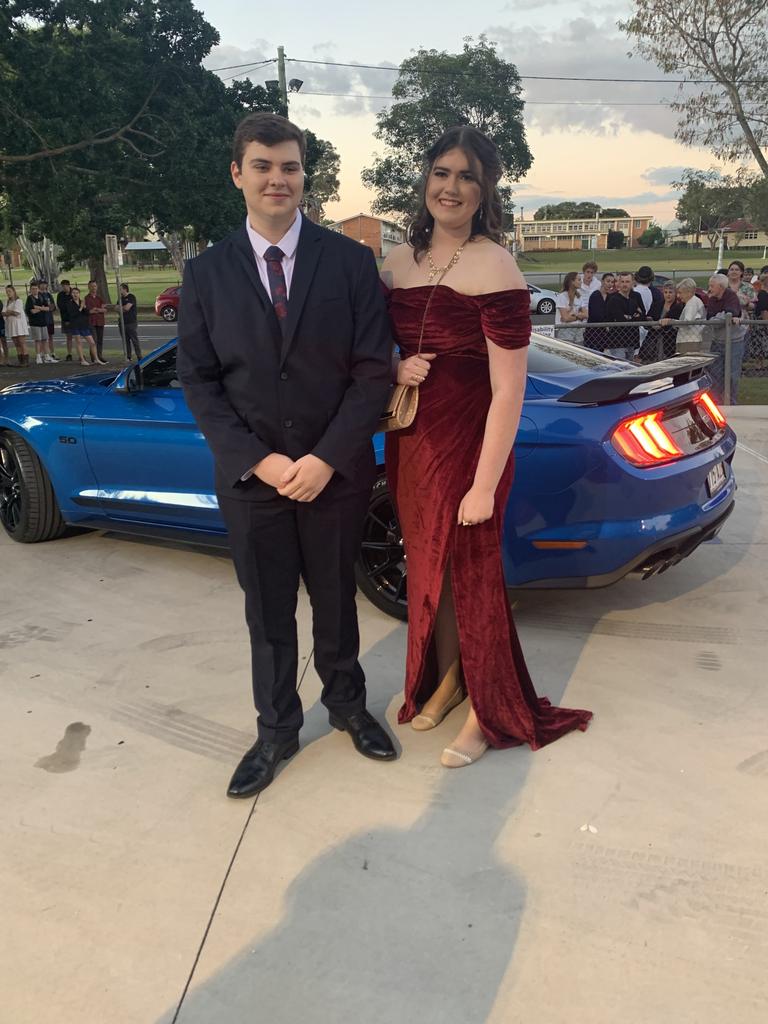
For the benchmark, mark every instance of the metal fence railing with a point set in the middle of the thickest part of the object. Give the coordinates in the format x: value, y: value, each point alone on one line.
x: 738, y: 348
x: 553, y: 279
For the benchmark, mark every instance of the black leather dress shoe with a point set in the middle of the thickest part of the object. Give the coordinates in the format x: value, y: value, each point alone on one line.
x: 367, y: 735
x: 258, y: 766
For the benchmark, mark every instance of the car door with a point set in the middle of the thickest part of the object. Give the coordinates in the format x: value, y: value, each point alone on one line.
x: 151, y: 462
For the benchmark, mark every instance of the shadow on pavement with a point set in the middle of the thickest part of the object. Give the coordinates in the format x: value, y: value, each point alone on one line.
x: 413, y: 924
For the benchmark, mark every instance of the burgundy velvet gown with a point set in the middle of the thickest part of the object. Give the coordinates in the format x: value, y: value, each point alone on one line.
x: 430, y: 467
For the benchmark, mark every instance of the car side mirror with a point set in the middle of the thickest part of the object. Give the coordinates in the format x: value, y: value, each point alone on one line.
x: 132, y: 381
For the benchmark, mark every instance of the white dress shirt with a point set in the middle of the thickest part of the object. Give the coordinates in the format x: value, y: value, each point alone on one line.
x: 289, y: 243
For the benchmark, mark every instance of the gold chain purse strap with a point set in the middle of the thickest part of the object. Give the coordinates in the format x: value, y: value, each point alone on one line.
x: 400, y: 411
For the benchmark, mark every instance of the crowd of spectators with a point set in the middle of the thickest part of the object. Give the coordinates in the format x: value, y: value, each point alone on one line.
x: 82, y: 323
x: 649, y: 323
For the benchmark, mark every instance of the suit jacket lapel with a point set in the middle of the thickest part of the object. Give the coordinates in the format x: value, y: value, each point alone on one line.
x: 244, y: 250
x: 307, y: 257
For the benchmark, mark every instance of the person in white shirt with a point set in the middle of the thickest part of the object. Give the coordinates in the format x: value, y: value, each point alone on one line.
x: 16, y: 325
x: 689, y: 339
x: 570, y: 308
x: 590, y: 282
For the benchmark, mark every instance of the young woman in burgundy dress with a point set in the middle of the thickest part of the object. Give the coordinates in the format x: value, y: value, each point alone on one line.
x: 451, y: 471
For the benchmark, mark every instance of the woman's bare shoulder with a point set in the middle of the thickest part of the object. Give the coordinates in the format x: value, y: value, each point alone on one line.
x: 498, y: 266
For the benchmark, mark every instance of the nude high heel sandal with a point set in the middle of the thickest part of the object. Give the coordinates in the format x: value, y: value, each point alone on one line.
x: 422, y: 722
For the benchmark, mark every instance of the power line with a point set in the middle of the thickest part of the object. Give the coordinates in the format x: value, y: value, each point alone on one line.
x: 537, y: 103
x: 531, y: 78
x: 250, y: 64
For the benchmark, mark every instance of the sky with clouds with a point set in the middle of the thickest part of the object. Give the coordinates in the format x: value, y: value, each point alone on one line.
x: 611, y: 143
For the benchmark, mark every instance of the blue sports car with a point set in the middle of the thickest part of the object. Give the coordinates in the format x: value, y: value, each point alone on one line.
x: 620, y: 468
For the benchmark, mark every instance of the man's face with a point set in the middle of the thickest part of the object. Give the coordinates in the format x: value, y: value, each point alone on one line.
x: 271, y: 179
x: 33, y: 289
x: 716, y: 290
x: 625, y: 284
x: 43, y: 286
x: 92, y: 288
x: 588, y: 274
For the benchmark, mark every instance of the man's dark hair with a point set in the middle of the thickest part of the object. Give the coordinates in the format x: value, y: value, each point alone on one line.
x: 124, y: 288
x: 268, y: 129
x: 92, y: 281
x: 63, y: 281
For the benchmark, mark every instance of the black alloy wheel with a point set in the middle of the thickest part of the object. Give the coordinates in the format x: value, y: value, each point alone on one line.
x: 28, y: 509
x: 381, y: 568
x: 545, y: 307
x: 169, y: 314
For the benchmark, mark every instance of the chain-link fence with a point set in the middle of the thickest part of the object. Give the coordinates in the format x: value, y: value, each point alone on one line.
x: 738, y: 349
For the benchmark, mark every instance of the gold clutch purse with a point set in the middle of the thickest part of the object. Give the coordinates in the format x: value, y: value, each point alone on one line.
x: 400, y: 411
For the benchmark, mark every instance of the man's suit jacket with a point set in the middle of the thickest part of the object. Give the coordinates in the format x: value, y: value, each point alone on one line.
x: 318, y: 386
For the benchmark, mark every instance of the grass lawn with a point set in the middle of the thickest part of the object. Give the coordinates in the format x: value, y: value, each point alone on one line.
x: 146, y: 285
x: 754, y: 390
x: 672, y: 262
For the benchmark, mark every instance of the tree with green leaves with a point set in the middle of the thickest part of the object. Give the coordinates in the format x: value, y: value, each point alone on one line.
x: 708, y: 202
x: 616, y: 240
x: 136, y: 63
x: 434, y: 91
x: 613, y: 212
x: 567, y: 211
x: 720, y: 47
x: 653, y: 235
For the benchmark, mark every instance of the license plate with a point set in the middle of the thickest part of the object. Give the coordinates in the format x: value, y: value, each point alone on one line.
x: 716, y: 479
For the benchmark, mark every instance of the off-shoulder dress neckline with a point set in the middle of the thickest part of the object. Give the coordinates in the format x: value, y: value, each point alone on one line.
x: 447, y: 287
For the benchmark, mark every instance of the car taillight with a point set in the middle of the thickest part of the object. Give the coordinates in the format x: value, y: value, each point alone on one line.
x: 644, y: 441
x: 706, y: 400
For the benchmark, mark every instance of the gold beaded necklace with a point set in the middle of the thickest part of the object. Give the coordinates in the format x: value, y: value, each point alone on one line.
x: 435, y: 270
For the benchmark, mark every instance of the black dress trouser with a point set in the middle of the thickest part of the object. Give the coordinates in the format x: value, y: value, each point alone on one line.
x: 273, y: 545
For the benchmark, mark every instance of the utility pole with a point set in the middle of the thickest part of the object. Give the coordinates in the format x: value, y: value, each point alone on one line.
x: 281, y: 77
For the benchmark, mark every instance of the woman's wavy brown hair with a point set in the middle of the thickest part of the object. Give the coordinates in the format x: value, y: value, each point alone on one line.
x: 485, y: 161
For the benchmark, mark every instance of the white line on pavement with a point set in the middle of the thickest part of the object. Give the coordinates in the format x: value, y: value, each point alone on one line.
x: 751, y: 451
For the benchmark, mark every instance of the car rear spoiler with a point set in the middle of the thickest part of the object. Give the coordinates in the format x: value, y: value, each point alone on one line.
x: 639, y: 380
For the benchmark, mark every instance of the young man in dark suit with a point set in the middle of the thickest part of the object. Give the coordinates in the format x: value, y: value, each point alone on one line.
x: 284, y: 357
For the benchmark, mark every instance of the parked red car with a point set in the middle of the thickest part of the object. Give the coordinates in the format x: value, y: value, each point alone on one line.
x: 167, y: 304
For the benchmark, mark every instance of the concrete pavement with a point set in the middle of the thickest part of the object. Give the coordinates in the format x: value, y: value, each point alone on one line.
x: 617, y: 875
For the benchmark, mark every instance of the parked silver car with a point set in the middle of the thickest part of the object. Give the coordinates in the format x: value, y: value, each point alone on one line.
x: 542, y: 300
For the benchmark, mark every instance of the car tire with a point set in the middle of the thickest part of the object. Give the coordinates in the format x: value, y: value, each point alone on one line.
x: 545, y: 307
x: 381, y: 570
x: 169, y: 314
x: 29, y: 512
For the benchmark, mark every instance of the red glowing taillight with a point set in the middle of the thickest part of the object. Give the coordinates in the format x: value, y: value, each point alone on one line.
x: 644, y: 441
x: 710, y: 405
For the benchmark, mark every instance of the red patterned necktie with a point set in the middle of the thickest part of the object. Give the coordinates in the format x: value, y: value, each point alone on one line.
x: 274, y: 260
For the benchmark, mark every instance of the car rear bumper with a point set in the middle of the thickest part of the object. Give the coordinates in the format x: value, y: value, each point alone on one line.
x: 656, y: 558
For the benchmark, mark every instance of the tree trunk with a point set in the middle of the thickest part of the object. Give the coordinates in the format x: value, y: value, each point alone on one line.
x: 98, y: 274
x: 173, y: 243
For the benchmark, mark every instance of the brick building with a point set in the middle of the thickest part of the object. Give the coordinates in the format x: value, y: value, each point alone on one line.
x: 576, y: 233
x: 380, y: 235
